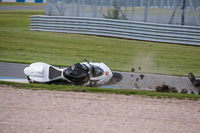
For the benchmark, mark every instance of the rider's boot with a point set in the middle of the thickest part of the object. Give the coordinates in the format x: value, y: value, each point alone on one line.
x: 193, y: 80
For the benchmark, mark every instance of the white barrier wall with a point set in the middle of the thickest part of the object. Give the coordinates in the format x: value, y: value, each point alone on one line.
x: 27, y: 1
x: 178, y: 34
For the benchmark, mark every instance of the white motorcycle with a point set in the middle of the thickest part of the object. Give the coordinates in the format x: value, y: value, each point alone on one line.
x: 85, y: 73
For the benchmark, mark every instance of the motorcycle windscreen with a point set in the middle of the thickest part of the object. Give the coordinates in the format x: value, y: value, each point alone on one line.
x: 78, y: 74
x: 97, y: 71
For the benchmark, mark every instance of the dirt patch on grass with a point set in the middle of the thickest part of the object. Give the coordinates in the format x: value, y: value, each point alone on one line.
x: 23, y: 111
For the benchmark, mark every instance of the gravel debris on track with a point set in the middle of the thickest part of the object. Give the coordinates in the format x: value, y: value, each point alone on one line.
x: 25, y: 111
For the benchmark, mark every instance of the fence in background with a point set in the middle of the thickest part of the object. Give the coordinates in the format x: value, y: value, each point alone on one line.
x: 185, y: 12
x: 187, y: 35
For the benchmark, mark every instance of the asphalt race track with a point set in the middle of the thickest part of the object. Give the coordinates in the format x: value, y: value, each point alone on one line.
x: 12, y: 70
x: 121, y: 80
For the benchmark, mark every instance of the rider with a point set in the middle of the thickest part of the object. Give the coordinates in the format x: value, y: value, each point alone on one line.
x: 195, y: 82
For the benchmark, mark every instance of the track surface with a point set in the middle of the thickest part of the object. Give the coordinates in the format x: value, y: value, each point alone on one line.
x: 12, y: 70
x: 120, y: 80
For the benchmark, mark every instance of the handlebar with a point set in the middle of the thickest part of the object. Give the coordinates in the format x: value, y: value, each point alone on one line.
x: 87, y: 61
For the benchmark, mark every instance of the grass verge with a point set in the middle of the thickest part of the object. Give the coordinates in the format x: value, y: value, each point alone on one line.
x: 101, y: 90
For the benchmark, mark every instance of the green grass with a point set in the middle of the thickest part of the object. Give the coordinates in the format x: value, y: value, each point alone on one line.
x: 19, y: 44
x: 152, y: 94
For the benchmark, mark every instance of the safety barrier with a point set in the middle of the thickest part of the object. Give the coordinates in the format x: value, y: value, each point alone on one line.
x: 178, y: 34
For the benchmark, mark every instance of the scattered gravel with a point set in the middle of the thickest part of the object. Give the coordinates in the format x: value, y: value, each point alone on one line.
x: 39, y: 111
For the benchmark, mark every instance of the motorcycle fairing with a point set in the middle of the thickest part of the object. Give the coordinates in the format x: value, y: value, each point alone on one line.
x: 43, y: 72
x: 102, y: 74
